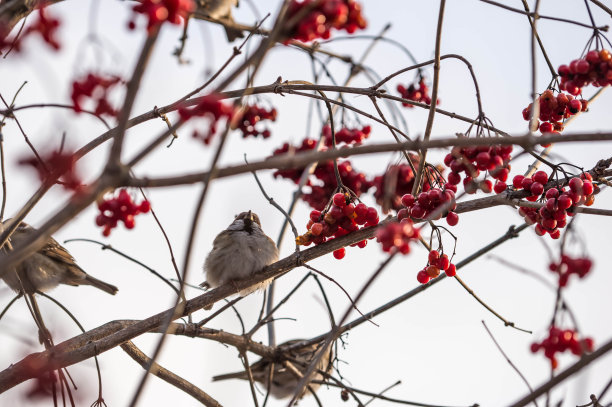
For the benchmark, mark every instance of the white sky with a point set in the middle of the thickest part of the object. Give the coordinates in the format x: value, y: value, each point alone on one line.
x: 435, y: 343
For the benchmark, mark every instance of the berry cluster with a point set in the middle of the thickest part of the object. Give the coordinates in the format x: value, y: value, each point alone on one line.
x: 96, y: 88
x: 559, y: 201
x: 561, y: 340
x: 419, y: 92
x: 46, y: 26
x: 346, y: 135
x: 321, y: 17
x: 555, y: 109
x: 321, y: 192
x: 252, y: 115
x: 56, y: 167
x: 427, y: 204
x: 595, y: 69
x: 160, y: 11
x: 397, y: 236
x: 119, y: 208
x: 568, y: 266
x: 343, y: 217
x: 436, y: 261
x: 402, y: 177
x: 471, y: 160
x: 212, y: 108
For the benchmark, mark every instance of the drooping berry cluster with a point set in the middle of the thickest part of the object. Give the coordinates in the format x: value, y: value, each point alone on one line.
x: 323, y: 182
x: 252, y: 115
x: 559, y: 201
x: 419, y: 92
x: 561, y: 340
x: 119, y: 208
x: 161, y: 11
x: 402, y: 177
x: 97, y: 88
x: 45, y: 25
x: 321, y: 17
x: 429, y: 203
x: 436, y: 261
x: 397, y: 236
x: 346, y: 135
x: 495, y: 159
x: 56, y: 167
x: 213, y: 109
x: 342, y: 217
x: 594, y: 69
x: 555, y: 109
x: 568, y: 266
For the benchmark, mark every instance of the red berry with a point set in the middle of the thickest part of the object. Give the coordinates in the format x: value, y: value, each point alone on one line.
x: 517, y: 181
x: 339, y: 200
x: 540, y: 177
x: 452, y: 218
x: 422, y: 277
x: 433, y: 256
x: 451, y: 271
x: 499, y: 187
x: 340, y: 253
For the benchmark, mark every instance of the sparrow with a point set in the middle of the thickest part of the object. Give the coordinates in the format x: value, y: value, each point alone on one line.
x: 239, y: 251
x: 221, y: 10
x: 47, y: 268
x: 285, y: 380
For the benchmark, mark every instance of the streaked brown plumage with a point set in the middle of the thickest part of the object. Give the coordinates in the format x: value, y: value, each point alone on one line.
x: 284, y: 380
x: 47, y: 268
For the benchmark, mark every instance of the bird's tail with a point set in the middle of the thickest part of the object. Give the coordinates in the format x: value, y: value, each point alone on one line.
x: 233, y: 33
x: 236, y: 375
x: 106, y: 287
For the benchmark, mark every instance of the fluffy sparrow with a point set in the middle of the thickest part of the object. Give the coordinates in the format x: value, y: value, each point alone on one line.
x: 284, y: 379
x: 239, y: 251
x: 221, y: 10
x: 47, y: 268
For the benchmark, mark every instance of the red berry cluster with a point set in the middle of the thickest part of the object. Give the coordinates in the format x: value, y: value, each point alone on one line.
x: 568, y: 266
x: 342, y: 218
x: 471, y: 160
x: 595, y: 69
x: 561, y: 340
x: 97, y: 88
x: 419, y: 92
x: 321, y: 192
x: 119, y: 208
x: 212, y: 108
x: 160, y: 11
x: 436, y: 261
x: 323, y: 15
x: 346, y: 135
x: 554, y: 109
x: 47, y: 27
x: 252, y: 115
x: 56, y: 167
x: 423, y: 206
x: 559, y: 201
x: 402, y: 177
x: 397, y: 236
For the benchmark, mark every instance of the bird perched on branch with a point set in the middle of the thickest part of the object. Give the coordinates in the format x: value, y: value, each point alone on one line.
x: 47, y: 268
x: 239, y: 251
x: 285, y: 379
x: 221, y: 10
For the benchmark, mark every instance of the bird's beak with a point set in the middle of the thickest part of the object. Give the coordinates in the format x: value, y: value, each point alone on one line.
x: 248, y: 220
